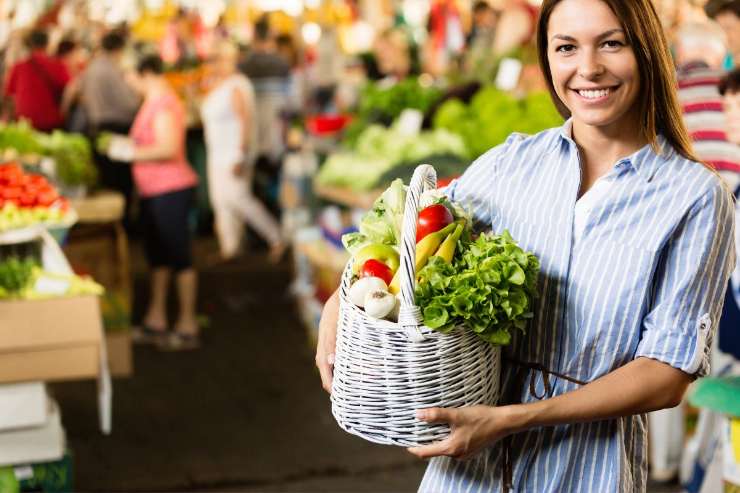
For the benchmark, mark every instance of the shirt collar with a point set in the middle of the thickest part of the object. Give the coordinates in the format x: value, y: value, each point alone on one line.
x: 645, y: 161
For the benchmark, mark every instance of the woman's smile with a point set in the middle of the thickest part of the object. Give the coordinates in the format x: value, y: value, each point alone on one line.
x: 596, y: 95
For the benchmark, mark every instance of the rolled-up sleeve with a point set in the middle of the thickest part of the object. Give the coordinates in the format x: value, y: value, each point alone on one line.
x: 690, y: 284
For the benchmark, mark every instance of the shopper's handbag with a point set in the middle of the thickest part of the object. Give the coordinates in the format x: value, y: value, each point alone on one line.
x: 385, y: 371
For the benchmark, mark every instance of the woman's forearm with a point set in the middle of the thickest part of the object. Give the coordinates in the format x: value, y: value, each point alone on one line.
x: 640, y: 386
x: 154, y: 152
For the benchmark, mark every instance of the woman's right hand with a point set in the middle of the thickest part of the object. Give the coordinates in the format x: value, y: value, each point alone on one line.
x: 327, y: 340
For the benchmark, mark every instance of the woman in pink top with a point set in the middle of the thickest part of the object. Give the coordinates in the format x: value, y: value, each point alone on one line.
x: 165, y: 182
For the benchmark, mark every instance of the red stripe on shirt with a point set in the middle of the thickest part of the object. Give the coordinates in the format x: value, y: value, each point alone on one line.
x: 698, y: 81
x: 703, y: 106
x: 709, y: 135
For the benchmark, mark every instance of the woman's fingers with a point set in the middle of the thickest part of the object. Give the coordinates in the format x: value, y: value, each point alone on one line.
x: 433, y: 450
x: 325, y: 364
x: 327, y: 341
x: 436, y: 415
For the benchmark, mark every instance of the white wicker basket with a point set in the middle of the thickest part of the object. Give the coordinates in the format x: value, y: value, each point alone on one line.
x: 385, y: 371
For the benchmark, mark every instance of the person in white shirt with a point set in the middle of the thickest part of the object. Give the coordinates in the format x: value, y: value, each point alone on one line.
x: 228, y: 115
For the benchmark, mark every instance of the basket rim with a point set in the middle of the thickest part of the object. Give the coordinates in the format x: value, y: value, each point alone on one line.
x: 379, y: 323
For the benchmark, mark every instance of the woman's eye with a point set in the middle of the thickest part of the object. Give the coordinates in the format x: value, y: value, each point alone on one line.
x: 613, y: 43
x: 565, y: 48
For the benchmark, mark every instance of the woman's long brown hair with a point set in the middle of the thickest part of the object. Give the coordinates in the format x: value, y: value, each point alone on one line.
x: 658, y: 105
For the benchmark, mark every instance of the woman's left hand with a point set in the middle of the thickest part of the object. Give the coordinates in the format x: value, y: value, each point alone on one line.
x: 473, y: 428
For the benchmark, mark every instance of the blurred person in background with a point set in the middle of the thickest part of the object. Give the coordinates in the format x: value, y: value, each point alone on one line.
x: 484, y: 22
x: 72, y: 55
x: 699, y: 52
x: 110, y: 102
x: 478, y: 59
x: 228, y: 115
x: 702, y: 463
x: 286, y: 48
x: 36, y: 84
x: 393, y: 55
x: 516, y: 26
x: 269, y: 73
x: 727, y: 15
x: 165, y: 182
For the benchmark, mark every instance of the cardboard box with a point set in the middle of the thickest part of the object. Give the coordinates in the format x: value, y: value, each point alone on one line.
x: 120, y: 359
x: 22, y: 405
x: 54, y: 339
x: 101, y: 251
x: 42, y: 444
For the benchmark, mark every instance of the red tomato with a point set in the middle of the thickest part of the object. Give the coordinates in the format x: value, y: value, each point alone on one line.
x: 46, y: 196
x: 431, y: 219
x: 12, y: 179
x: 376, y: 268
x: 26, y: 200
x: 9, y: 192
x: 38, y: 180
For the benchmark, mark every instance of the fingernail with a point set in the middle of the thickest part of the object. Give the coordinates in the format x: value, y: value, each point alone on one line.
x: 421, y: 414
x: 330, y: 359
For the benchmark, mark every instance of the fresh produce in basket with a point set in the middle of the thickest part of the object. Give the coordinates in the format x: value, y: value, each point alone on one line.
x: 385, y: 370
x: 27, y: 199
x: 486, y: 284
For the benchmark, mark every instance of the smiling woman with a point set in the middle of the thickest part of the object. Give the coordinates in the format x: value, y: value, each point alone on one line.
x: 635, y: 239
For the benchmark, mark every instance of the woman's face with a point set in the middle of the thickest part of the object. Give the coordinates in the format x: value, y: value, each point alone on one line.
x: 594, y: 70
x: 732, y: 114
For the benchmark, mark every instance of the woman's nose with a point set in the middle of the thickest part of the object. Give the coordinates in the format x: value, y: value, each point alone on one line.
x: 590, y: 67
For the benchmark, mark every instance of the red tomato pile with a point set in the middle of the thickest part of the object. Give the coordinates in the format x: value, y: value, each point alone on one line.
x: 27, y: 190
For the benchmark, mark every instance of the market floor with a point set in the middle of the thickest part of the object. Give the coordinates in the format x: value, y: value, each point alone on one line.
x: 243, y: 413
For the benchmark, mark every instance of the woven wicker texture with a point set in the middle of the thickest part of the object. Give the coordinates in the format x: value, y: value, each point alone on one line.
x: 385, y: 371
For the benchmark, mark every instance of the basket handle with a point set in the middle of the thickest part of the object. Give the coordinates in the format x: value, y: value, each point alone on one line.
x: 409, y: 316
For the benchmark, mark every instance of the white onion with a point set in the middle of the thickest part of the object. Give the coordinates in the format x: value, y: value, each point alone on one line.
x: 362, y: 287
x: 379, y: 303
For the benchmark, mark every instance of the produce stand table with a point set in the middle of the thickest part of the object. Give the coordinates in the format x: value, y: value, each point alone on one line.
x: 59, y: 338
x: 347, y: 196
x: 98, y: 246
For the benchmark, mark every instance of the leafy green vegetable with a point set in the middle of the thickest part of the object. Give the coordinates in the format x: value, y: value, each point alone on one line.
x: 383, y: 222
x: 354, y: 242
x: 488, y: 288
x: 15, y: 274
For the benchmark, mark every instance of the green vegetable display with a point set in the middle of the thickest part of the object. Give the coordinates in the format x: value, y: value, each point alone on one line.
x: 382, y: 103
x: 493, y: 114
x: 488, y: 288
x: 15, y: 275
x: 74, y: 164
x: 379, y: 150
x: 70, y: 151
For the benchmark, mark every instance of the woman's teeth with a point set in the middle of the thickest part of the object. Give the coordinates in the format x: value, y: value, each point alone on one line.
x: 591, y: 94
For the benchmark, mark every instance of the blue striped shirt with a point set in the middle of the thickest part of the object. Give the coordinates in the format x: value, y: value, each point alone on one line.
x: 646, y: 278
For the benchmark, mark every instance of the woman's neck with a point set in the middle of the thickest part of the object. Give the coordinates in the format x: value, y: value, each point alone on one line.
x: 601, y: 147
